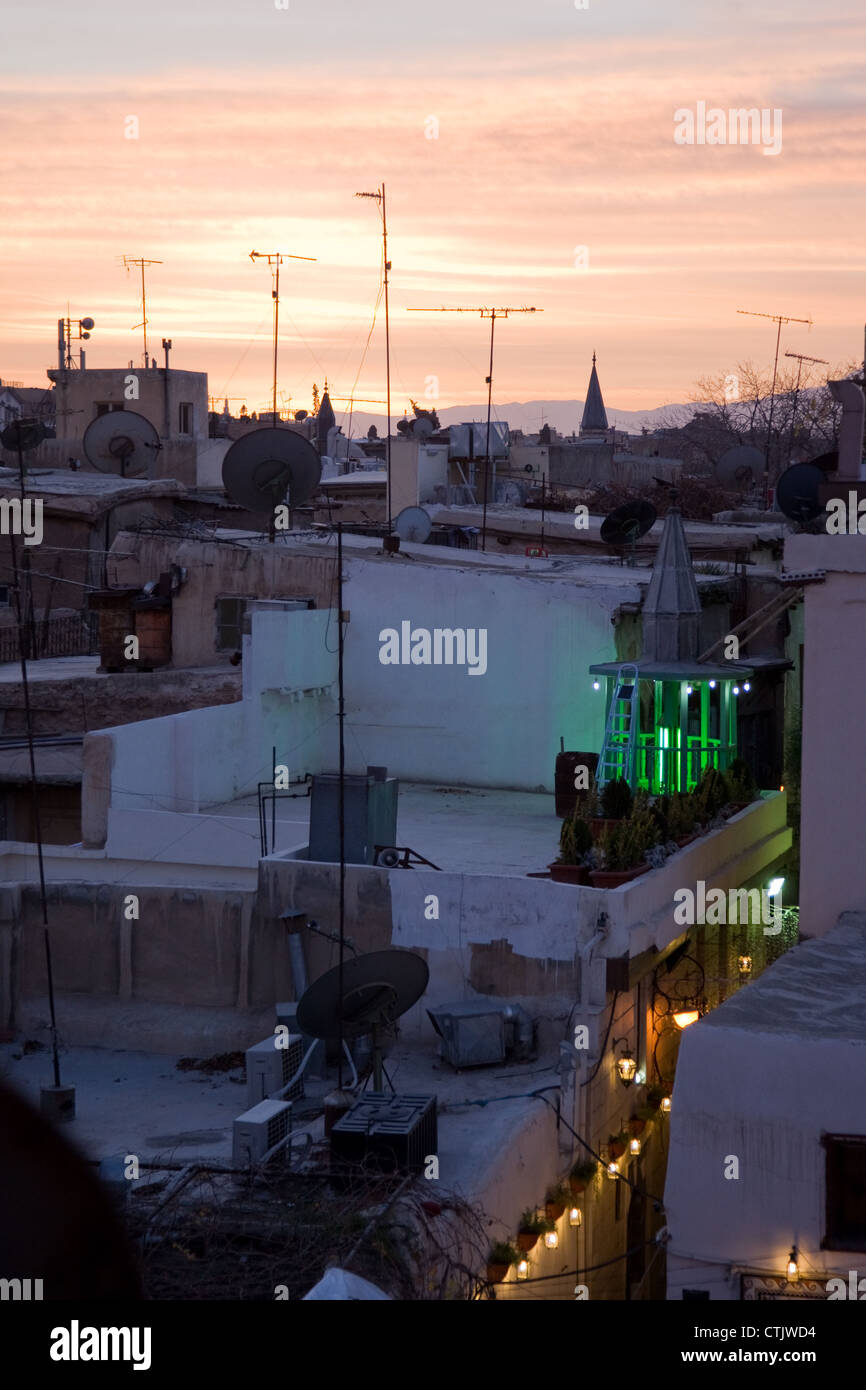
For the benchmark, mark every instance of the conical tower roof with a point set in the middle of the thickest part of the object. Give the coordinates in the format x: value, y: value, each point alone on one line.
x: 594, y: 414
x: 671, y: 606
x: 325, y: 421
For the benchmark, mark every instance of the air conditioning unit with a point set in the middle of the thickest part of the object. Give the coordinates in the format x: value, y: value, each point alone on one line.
x: 387, y: 1132
x: 257, y: 1131
x: 483, y: 1032
x: 270, y: 1068
x: 287, y: 1016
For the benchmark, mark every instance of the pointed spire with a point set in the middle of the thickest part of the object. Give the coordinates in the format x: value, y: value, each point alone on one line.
x: 594, y: 420
x: 671, y: 606
x: 325, y: 420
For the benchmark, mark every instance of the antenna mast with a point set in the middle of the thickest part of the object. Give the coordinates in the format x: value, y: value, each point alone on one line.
x: 778, y: 319
x: 275, y: 260
x: 492, y: 315
x: 801, y: 358
x: 379, y: 197
x: 129, y: 262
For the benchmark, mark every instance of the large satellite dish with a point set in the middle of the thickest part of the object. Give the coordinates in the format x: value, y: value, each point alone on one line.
x: 797, y: 492
x: 422, y: 428
x: 740, y: 467
x: 121, y: 442
x: 413, y: 524
x: 625, y: 525
x: 377, y: 989
x: 270, y: 466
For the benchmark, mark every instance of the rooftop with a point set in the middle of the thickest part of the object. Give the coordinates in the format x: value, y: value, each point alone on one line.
x: 814, y: 990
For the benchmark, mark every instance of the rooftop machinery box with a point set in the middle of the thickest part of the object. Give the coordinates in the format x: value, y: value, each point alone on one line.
x: 369, y: 812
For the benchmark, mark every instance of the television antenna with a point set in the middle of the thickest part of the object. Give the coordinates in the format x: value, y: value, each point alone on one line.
x: 141, y: 262
x: 379, y: 197
x: 778, y: 319
x: 275, y: 260
x: 492, y: 315
x: 801, y: 358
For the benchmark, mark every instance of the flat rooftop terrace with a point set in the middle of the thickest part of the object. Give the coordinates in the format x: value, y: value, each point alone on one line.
x: 460, y: 829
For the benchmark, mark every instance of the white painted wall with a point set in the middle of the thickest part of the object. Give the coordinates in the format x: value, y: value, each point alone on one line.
x: 501, y: 729
x: 766, y: 1098
x: 833, y: 812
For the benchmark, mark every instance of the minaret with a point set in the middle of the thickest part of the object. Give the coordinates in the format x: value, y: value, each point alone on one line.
x: 671, y: 607
x: 325, y: 421
x: 594, y: 423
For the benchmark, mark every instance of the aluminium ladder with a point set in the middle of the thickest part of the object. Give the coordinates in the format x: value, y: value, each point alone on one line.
x: 620, y: 734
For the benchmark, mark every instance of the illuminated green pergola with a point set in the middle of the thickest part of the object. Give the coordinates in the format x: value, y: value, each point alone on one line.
x: 682, y: 719
x: 669, y: 715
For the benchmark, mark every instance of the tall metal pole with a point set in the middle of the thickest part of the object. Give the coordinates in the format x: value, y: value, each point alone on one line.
x: 275, y: 260
x: 387, y: 265
x: 24, y: 644
x: 487, y: 447
x: 493, y: 315
x: 341, y: 716
x: 379, y: 197
x: 801, y: 358
x: 142, y: 261
x: 777, y: 319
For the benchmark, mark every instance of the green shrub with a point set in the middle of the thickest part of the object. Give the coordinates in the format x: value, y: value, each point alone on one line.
x: 741, y: 782
x: 536, y: 1225
x: 502, y: 1253
x: 575, y: 839
x: 616, y: 799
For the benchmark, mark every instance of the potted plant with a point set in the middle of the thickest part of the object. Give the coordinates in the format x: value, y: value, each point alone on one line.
x: 575, y: 842
x: 711, y: 794
x: 682, y: 819
x: 623, y: 850
x: 637, y: 1124
x: 617, y: 1144
x: 615, y: 804
x: 500, y: 1258
x: 655, y: 1095
x: 555, y: 1202
x: 530, y: 1228
x: 742, y: 787
x: 581, y: 1176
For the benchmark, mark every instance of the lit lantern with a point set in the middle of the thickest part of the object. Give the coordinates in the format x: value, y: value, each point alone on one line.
x: 634, y: 1146
x: 551, y: 1239
x: 575, y: 1217
x: 626, y: 1065
x: 596, y: 685
x: 793, y: 1270
x: 745, y: 965
x: 523, y: 1269
x: 612, y: 1170
x: 666, y: 1105
x: 686, y: 1017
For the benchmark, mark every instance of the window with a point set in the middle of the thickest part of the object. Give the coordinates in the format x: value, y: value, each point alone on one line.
x: 4, y: 595
x: 185, y: 417
x: 103, y: 407
x: 846, y: 1192
x: 230, y: 617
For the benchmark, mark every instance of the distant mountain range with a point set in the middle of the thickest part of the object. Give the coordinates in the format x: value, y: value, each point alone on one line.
x: 563, y: 416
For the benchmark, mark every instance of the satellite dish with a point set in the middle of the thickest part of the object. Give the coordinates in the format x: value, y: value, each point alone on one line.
x: 121, y: 442
x: 413, y: 524
x: 25, y: 433
x: 740, y: 467
x: 797, y: 492
x: 377, y: 989
x: 422, y: 428
x: 389, y: 858
x: 271, y: 466
x: 625, y: 525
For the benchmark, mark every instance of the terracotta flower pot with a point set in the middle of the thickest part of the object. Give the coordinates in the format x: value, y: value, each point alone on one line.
x: 616, y: 1149
x: 577, y: 1186
x: 612, y: 878
x: 527, y: 1240
x: 636, y: 1126
x: 496, y: 1273
x: 553, y: 1210
x: 569, y: 873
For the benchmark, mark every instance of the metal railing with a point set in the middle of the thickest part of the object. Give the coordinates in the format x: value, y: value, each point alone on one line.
x: 71, y: 635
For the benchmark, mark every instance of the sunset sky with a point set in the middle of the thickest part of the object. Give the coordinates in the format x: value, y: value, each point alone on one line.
x: 555, y: 131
